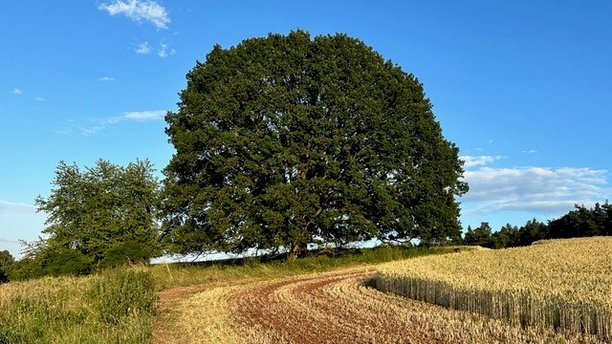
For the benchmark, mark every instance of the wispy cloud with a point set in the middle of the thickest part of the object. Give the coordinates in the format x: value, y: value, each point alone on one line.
x: 106, y: 78
x: 534, y: 189
x: 92, y: 130
x: 100, y: 124
x: 13, y: 207
x: 139, y: 11
x: 479, y: 160
x: 39, y: 99
x: 164, y: 51
x: 9, y: 241
x: 64, y: 132
x: 143, y: 48
x: 17, y: 91
x: 145, y: 115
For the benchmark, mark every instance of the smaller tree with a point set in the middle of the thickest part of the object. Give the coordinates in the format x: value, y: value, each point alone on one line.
x: 480, y: 235
x: 91, y: 212
x: 507, y: 236
x: 532, y: 231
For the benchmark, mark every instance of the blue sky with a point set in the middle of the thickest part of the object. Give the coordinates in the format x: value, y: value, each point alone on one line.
x: 524, y: 88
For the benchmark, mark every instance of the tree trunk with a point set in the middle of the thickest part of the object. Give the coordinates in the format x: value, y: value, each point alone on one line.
x: 297, y: 250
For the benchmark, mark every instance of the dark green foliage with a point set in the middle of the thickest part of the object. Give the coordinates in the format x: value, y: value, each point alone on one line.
x: 480, y: 235
x: 508, y: 235
x: 65, y: 261
x: 120, y: 294
x: 532, y: 231
x: 26, y: 268
x: 93, y: 214
x: 6, y: 264
x: 286, y: 140
x: 581, y: 222
x: 126, y: 252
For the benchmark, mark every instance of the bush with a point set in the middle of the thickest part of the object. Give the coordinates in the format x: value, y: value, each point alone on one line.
x: 67, y: 262
x: 126, y: 252
x: 26, y: 268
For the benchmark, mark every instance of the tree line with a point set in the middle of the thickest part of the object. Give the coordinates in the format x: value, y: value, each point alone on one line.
x: 580, y: 222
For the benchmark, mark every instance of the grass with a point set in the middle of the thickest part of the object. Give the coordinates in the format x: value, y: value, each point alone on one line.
x: 560, y: 284
x: 111, y: 307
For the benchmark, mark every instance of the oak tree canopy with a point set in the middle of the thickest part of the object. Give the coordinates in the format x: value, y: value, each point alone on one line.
x: 284, y: 141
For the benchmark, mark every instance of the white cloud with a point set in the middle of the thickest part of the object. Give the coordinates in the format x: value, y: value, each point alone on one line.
x: 106, y: 78
x: 533, y: 189
x: 98, y: 125
x: 480, y: 160
x: 88, y: 131
x: 139, y: 11
x: 145, y: 115
x: 17, y: 91
x: 12, y: 207
x: 39, y: 99
x: 63, y: 132
x: 143, y: 48
x: 164, y: 52
x: 530, y: 151
x: 9, y: 241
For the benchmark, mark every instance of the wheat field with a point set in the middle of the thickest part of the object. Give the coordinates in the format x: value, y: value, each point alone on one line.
x: 561, y: 284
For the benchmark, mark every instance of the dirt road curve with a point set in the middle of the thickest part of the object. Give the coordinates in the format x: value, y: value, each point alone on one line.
x: 331, y: 308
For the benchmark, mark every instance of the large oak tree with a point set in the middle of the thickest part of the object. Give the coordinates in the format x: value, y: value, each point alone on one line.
x: 284, y: 141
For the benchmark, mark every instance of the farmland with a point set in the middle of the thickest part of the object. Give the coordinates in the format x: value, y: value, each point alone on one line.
x: 320, y: 299
x: 334, y: 307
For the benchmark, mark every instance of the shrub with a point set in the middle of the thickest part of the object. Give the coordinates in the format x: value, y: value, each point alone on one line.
x: 67, y: 262
x: 126, y: 252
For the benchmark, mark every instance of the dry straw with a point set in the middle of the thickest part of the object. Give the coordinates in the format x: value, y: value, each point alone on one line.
x: 562, y: 284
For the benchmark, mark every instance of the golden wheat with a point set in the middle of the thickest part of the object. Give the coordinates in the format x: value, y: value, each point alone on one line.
x: 562, y: 284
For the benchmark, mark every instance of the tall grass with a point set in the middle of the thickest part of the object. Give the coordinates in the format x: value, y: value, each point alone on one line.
x: 561, y: 284
x: 111, y: 307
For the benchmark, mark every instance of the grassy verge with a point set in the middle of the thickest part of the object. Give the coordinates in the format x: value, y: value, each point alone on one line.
x: 111, y: 307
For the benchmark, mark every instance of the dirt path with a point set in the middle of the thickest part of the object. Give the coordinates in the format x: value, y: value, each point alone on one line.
x: 319, y: 310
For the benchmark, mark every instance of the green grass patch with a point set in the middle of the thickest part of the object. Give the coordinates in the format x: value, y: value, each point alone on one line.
x: 111, y: 307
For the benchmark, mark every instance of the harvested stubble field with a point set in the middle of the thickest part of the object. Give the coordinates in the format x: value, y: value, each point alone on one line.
x: 333, y: 307
x: 559, y: 284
